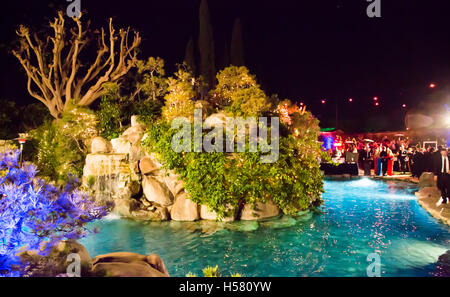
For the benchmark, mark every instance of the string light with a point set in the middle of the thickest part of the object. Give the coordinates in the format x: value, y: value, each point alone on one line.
x: 323, y: 101
x: 350, y: 100
x: 432, y: 85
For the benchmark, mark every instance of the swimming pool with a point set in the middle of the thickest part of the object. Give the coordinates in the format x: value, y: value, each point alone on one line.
x: 359, y: 217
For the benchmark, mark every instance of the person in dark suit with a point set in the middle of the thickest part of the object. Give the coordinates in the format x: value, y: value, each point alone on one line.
x: 367, y: 157
x: 442, y: 172
x: 384, y: 156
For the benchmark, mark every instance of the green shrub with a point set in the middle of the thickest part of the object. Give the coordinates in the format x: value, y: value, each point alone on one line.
x: 222, y: 180
x: 62, y: 144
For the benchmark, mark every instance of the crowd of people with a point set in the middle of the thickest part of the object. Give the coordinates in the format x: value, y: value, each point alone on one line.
x: 386, y: 156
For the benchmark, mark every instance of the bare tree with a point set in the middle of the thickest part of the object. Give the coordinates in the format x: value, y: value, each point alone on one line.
x: 56, y: 74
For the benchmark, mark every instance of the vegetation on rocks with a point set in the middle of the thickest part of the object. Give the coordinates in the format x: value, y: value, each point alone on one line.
x: 62, y: 144
x: 226, y: 181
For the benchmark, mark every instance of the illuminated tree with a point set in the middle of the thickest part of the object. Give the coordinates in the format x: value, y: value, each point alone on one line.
x: 238, y: 92
x: 181, y: 95
x: 153, y: 84
x: 56, y: 73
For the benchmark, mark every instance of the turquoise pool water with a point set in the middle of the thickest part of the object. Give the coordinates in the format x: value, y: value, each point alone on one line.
x: 360, y: 217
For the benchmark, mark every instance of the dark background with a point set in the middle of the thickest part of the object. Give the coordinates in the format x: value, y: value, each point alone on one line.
x: 301, y: 50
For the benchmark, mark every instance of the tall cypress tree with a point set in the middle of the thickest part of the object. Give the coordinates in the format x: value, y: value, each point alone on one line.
x: 237, y: 47
x: 225, y: 62
x: 206, y: 45
x: 189, y: 57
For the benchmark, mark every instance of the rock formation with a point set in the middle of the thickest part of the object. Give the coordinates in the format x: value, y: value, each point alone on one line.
x: 121, y: 171
x: 428, y: 197
x: 120, y: 264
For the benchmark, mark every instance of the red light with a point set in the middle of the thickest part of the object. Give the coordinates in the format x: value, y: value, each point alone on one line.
x: 301, y: 103
x: 376, y: 104
x: 375, y: 98
x: 432, y: 85
x: 404, y: 105
x: 324, y: 101
x: 350, y: 100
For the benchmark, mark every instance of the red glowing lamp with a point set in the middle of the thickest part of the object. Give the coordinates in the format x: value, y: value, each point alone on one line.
x: 432, y: 85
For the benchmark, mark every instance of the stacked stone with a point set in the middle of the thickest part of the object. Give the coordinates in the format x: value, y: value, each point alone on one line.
x: 146, y: 191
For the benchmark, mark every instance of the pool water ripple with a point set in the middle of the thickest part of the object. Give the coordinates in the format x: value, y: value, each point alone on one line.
x: 359, y: 217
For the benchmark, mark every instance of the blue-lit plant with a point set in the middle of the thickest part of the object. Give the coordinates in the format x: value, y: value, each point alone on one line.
x: 34, y: 214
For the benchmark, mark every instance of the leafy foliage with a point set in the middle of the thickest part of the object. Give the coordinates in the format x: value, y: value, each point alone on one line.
x: 238, y: 92
x: 153, y: 84
x: 34, y: 214
x: 225, y: 181
x: 109, y: 112
x: 62, y: 144
x: 180, y: 99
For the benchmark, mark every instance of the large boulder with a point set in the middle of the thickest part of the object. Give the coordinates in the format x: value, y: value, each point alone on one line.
x: 125, y: 207
x: 207, y: 214
x: 129, y: 265
x: 428, y: 197
x: 156, y: 191
x: 105, y: 164
x: 443, y: 264
x: 134, y: 134
x: 429, y: 193
x: 173, y: 182
x: 57, y: 261
x: 151, y: 213
x: 184, y: 209
x: 99, y: 145
x: 147, y: 165
x: 121, y: 146
x: 260, y: 211
x: 134, y: 121
x: 427, y: 180
x: 216, y: 119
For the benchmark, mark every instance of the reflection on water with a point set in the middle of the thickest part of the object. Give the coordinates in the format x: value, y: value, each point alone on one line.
x: 359, y: 217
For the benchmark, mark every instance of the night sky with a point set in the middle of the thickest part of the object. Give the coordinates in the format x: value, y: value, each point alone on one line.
x: 301, y: 50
